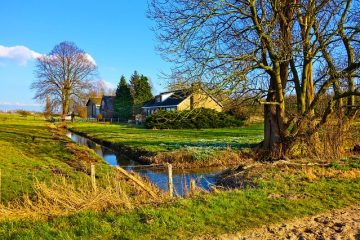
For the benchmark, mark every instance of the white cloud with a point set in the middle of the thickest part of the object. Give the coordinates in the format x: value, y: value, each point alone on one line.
x: 90, y: 58
x: 20, y: 54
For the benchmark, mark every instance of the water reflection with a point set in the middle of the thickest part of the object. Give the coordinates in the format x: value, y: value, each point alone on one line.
x: 204, y: 177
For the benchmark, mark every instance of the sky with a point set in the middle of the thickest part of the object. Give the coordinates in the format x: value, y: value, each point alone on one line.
x: 116, y: 33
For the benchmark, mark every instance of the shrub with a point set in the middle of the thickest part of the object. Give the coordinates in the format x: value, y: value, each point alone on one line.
x: 99, y: 117
x: 190, y: 119
x: 23, y: 113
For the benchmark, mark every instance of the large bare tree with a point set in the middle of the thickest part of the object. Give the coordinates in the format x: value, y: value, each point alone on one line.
x: 267, y: 48
x: 63, y: 75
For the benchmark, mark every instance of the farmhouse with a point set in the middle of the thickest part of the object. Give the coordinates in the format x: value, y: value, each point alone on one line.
x: 180, y: 100
x: 93, y: 107
x: 106, y: 106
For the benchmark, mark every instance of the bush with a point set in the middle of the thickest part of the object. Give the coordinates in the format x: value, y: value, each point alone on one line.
x: 51, y: 119
x: 23, y: 113
x: 190, y: 119
x: 99, y: 117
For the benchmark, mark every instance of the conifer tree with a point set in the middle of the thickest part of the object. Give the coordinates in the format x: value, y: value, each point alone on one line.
x: 123, y: 100
x: 141, y: 91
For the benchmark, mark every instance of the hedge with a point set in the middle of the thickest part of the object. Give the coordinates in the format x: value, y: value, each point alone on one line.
x: 191, y: 119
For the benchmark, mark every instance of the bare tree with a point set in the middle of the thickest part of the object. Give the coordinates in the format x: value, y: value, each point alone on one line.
x: 100, y: 88
x: 63, y: 75
x: 48, y: 110
x: 266, y: 48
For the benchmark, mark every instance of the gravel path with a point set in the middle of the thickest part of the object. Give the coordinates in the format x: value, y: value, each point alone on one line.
x: 335, y: 225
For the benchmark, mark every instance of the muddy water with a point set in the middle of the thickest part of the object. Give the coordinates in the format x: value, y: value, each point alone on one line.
x: 205, y: 177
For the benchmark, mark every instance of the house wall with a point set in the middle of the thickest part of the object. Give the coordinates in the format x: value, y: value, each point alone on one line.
x: 200, y: 99
x: 106, y: 109
x: 92, y: 110
x: 185, y: 105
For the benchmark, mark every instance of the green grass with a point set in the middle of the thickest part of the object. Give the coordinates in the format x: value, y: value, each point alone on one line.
x: 168, y: 140
x: 215, y: 214
x: 29, y: 152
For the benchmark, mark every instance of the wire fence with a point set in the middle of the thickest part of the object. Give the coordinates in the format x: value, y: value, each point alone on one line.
x: 182, y: 179
x: 102, y: 120
x: 174, y: 182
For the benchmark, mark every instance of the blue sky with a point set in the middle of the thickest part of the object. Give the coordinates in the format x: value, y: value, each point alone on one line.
x: 115, y: 33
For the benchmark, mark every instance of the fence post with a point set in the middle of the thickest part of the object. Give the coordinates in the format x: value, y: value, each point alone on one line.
x: 192, y: 186
x: 93, y: 181
x: 170, y: 179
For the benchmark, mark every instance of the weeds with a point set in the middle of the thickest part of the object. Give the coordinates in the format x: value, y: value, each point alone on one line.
x: 197, y: 158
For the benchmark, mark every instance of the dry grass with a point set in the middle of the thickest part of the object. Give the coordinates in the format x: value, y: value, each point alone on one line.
x: 61, y: 198
x: 315, y: 173
x: 246, y: 175
x: 184, y: 158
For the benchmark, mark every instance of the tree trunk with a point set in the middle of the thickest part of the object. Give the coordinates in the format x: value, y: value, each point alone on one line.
x: 271, y: 127
x: 65, y: 103
x: 274, y: 122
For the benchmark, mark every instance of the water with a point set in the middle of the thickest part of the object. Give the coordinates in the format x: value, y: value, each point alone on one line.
x: 205, y: 177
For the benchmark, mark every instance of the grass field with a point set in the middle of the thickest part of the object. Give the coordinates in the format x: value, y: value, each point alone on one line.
x: 34, y: 150
x: 168, y: 140
x: 279, y: 193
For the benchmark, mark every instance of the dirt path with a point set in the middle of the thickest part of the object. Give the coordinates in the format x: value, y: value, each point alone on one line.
x: 338, y: 224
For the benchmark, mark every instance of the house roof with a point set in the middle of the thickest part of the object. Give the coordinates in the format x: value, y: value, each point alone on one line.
x: 108, y: 101
x: 96, y: 100
x: 173, y: 100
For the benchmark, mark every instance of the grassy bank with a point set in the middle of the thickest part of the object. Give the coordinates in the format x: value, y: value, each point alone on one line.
x: 31, y: 150
x: 39, y: 161
x: 279, y: 193
x: 39, y: 165
x: 186, y: 147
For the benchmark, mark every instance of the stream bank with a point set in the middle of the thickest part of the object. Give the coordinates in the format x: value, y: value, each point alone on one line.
x: 157, y: 174
x: 187, y: 157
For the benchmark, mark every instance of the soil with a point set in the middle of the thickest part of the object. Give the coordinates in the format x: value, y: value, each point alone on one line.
x: 337, y: 224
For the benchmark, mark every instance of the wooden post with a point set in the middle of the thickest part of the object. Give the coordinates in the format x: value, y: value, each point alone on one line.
x: 170, y: 179
x: 192, y: 186
x: 137, y: 181
x: 93, y: 181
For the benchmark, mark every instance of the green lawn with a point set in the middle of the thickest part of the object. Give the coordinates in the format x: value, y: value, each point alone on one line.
x: 31, y: 148
x: 167, y: 140
x: 279, y: 195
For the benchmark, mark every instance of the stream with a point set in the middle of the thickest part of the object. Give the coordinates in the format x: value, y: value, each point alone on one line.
x: 205, y: 177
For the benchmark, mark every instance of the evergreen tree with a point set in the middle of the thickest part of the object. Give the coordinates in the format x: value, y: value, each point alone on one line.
x: 141, y: 91
x: 123, y: 103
